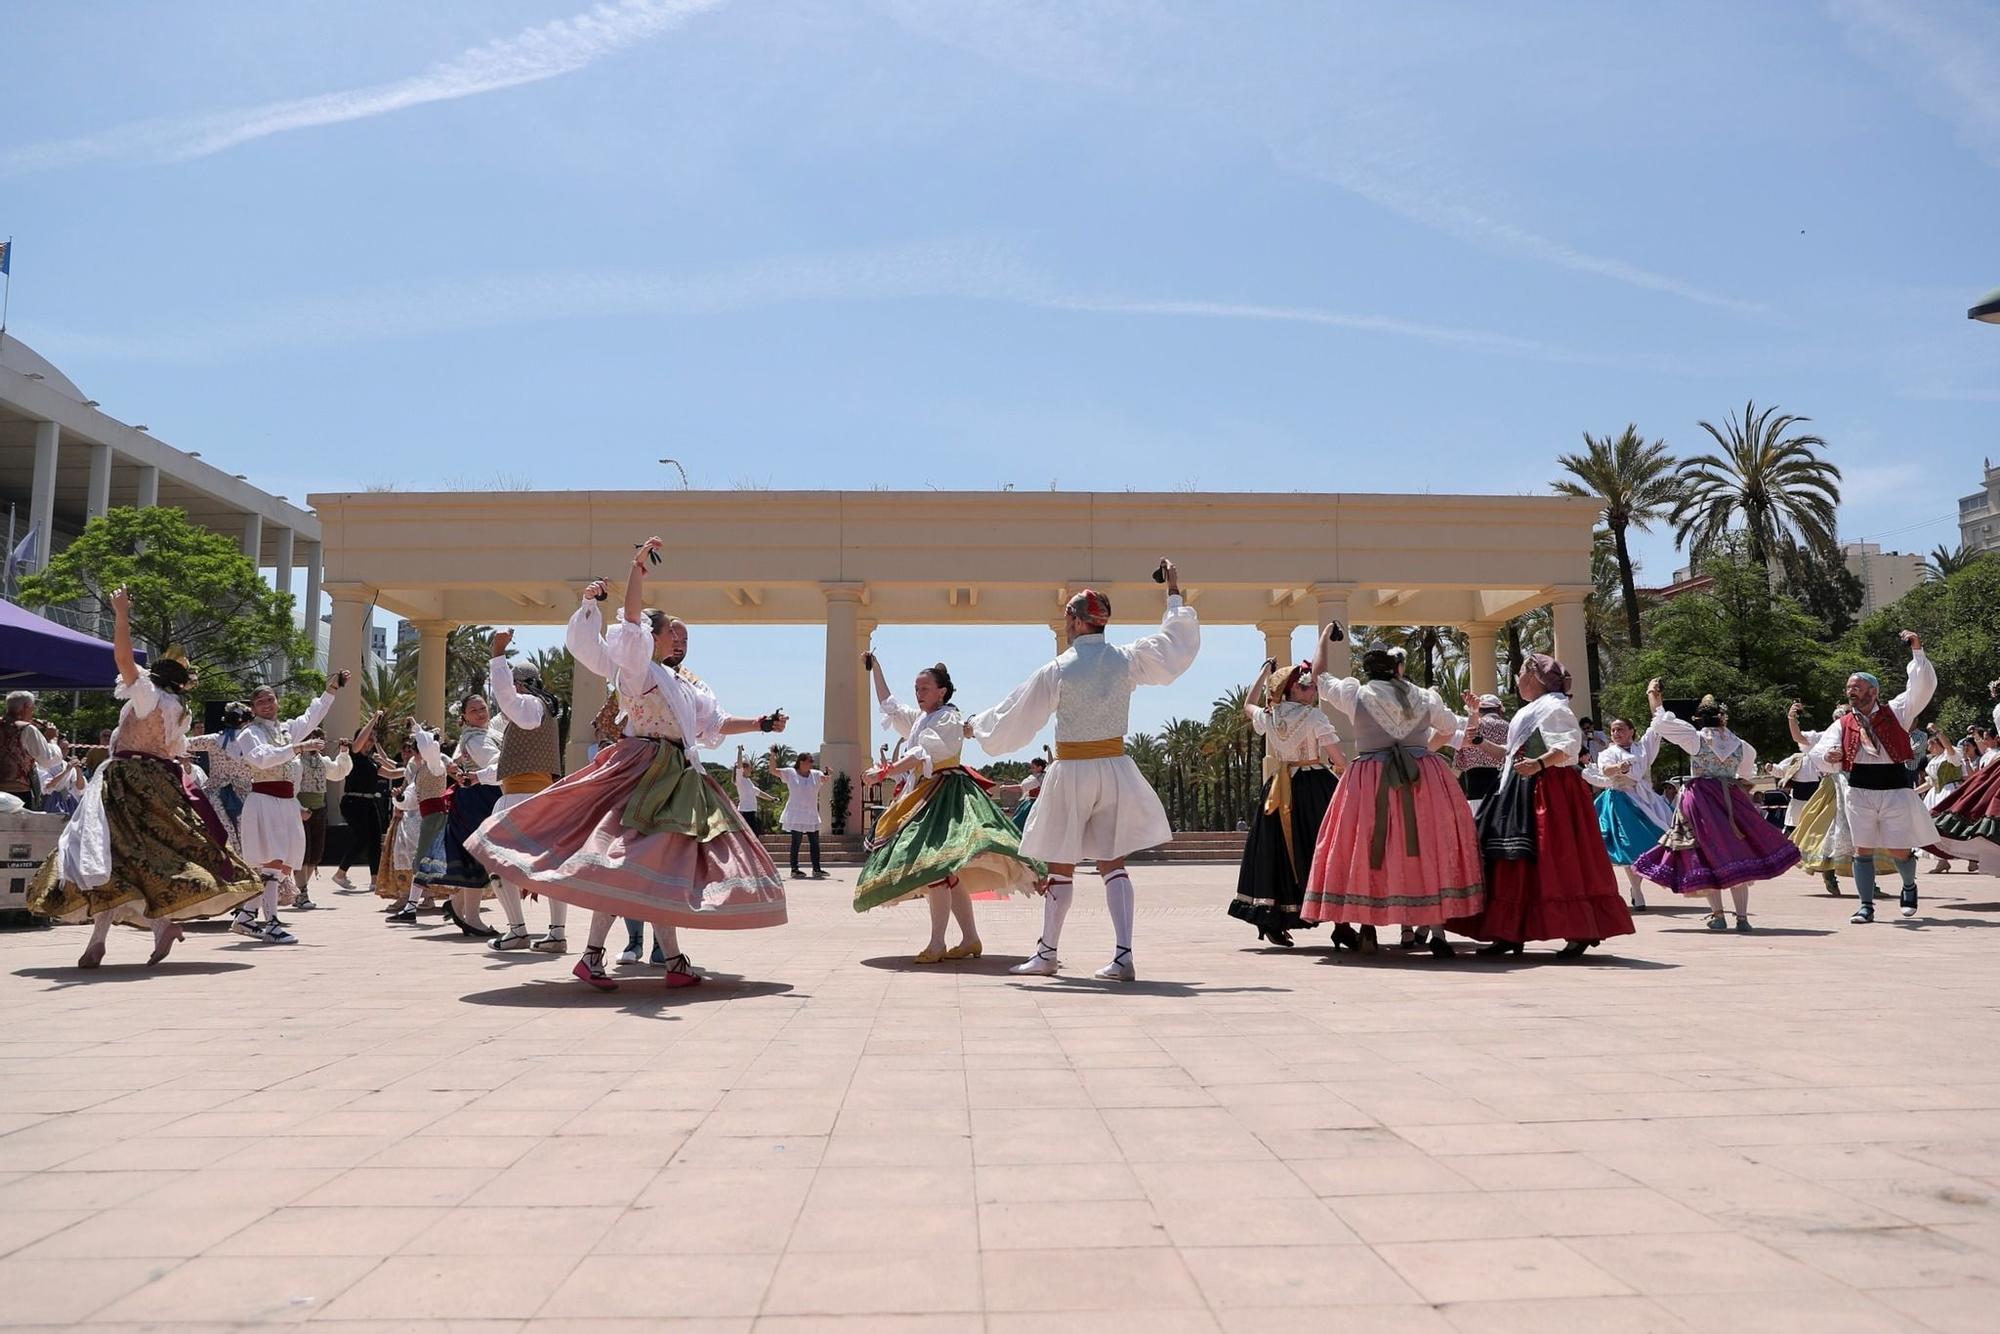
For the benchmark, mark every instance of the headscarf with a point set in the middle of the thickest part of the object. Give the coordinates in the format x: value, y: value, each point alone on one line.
x: 1489, y: 704
x: 1091, y: 607
x: 1279, y: 688
x: 1874, y: 681
x: 1553, y: 677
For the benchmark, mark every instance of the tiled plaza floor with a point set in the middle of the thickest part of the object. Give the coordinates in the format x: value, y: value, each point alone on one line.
x: 382, y: 1129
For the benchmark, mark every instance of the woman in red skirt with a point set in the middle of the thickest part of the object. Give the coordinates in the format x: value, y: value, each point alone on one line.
x: 1548, y: 876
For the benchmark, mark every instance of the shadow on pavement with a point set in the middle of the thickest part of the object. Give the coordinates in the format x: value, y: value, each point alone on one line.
x: 135, y: 971
x: 1086, y: 985
x: 635, y: 995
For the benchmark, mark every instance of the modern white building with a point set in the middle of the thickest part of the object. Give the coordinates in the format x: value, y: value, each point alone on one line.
x: 1885, y: 575
x: 63, y: 462
x: 1979, y: 513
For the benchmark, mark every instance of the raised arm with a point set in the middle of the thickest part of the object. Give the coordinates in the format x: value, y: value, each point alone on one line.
x: 1251, y: 709
x: 1922, y: 685
x: 1665, y: 726
x: 635, y: 579
x: 316, y: 711
x: 340, y: 765
x: 1792, y: 722
x: 429, y: 752
x: 1332, y: 633
x: 121, y: 635
x: 521, y: 710
x: 1159, y: 659
x: 584, y: 636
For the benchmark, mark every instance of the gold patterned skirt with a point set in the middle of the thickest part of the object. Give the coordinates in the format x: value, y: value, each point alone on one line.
x: 137, y: 822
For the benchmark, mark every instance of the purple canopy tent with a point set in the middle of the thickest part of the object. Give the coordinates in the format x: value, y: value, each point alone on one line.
x: 38, y: 654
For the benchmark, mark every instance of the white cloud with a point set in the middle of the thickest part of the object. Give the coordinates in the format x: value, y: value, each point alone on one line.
x: 967, y: 270
x: 1946, y: 55
x: 529, y: 56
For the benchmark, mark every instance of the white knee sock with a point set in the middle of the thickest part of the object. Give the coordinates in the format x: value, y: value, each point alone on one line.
x: 269, y: 901
x: 1055, y: 907
x: 1119, y: 900
x: 558, y: 916
x: 510, y: 905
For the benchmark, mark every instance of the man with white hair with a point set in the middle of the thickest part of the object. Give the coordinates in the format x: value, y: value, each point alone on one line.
x: 272, y: 827
x: 1872, y: 746
x: 24, y: 752
x: 1095, y: 805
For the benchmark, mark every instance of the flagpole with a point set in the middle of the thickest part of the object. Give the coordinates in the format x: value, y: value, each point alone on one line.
x: 10, y: 551
x: 7, y: 300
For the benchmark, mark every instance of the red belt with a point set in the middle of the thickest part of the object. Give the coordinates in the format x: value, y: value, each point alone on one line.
x: 285, y: 790
x: 433, y: 805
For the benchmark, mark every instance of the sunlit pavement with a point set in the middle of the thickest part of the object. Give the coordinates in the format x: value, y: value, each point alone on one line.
x: 1795, y: 1129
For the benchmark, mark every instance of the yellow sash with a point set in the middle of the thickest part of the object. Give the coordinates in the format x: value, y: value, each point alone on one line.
x: 1109, y: 749
x: 514, y: 784
x: 906, y: 807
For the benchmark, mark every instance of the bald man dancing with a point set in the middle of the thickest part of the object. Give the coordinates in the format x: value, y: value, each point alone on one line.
x: 1094, y: 805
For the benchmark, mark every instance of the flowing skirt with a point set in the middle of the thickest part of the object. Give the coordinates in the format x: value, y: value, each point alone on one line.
x: 1627, y: 828
x: 1822, y: 837
x: 1271, y: 881
x: 1718, y: 840
x: 1439, y: 880
x: 1094, y: 810
x: 1548, y: 876
x: 641, y: 833
x: 945, y: 826
x: 138, y: 847
x: 1021, y: 812
x: 399, y: 855
x: 1968, y: 822
x: 471, y: 806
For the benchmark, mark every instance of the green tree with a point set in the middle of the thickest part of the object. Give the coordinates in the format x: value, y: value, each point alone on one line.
x: 1959, y: 619
x: 1770, y: 482
x: 1636, y: 482
x: 392, y: 689
x: 190, y: 587
x: 558, y: 669
x: 1945, y: 561
x: 1751, y: 647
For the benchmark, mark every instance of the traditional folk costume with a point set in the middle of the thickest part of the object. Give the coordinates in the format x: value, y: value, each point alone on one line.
x: 1802, y: 784
x: 225, y: 779
x: 477, y: 753
x: 1298, y: 789
x: 1631, y: 816
x: 528, y: 761
x: 24, y: 755
x: 941, y: 827
x: 1826, y: 846
x: 1882, y: 808
x: 422, y: 811
x: 273, y: 835
x: 1480, y: 746
x: 395, y: 873
x: 1397, y: 846
x: 1718, y: 840
x: 1942, y: 773
x: 1548, y: 876
x: 1094, y: 804
x: 144, y: 846
x: 315, y: 772
x: 641, y: 831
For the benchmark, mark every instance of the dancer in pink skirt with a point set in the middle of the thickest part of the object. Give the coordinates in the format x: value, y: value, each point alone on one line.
x: 1397, y: 847
x: 641, y: 831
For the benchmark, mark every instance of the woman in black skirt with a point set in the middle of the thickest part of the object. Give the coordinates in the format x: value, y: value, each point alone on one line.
x: 1302, y: 758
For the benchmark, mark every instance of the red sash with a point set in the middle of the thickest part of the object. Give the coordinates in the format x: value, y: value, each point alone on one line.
x: 285, y: 790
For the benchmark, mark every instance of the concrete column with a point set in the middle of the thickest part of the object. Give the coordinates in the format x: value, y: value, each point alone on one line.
x: 312, y: 597
x: 42, y: 502
x: 98, y: 498
x: 864, y: 698
x: 149, y: 487
x: 1277, y: 641
x: 1482, y: 643
x: 1572, y: 647
x: 431, y: 637
x: 345, y: 648
x: 1333, y: 602
x: 253, y: 539
x: 1058, y: 628
x: 841, y: 746
x: 287, y: 546
x: 587, y: 693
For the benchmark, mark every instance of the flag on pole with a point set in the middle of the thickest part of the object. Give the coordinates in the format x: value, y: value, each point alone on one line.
x: 6, y: 256
x: 22, y: 552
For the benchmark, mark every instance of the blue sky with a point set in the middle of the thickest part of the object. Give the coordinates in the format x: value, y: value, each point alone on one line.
x: 1094, y: 243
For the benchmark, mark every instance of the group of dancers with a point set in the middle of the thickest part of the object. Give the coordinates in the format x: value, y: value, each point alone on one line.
x: 1504, y: 844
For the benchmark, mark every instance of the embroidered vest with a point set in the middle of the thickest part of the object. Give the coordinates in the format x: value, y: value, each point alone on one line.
x: 531, y: 750
x: 1890, y: 737
x: 1709, y: 763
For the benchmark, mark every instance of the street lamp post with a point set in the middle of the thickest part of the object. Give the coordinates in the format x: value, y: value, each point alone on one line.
x: 1987, y: 309
x: 683, y: 471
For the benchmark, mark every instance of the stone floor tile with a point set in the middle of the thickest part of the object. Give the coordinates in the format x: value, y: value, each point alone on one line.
x: 224, y: 1289
x: 850, y: 1283
x: 301, y: 1230
x: 1569, y: 1315
x: 1793, y: 1313
x: 1320, y: 1276
x: 1081, y: 1223
x: 139, y: 1231
x: 1493, y: 1270
x: 1668, y: 1264
x: 63, y: 1292
x: 1115, y: 1279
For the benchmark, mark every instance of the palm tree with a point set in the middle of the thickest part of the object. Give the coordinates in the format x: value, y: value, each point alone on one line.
x: 1945, y: 562
x: 1635, y: 480
x: 1775, y: 483
x: 393, y: 690
x: 558, y: 669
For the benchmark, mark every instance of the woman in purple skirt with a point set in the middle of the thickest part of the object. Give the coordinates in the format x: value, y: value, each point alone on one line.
x: 1718, y: 840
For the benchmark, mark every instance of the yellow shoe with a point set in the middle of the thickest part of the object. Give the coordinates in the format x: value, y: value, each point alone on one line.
x: 931, y: 956
x: 966, y: 950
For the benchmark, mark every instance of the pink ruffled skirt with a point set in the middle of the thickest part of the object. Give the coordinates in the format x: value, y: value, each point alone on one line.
x: 570, y: 842
x: 1441, y: 879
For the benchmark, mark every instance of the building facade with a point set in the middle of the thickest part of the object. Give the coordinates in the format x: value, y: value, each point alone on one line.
x: 1885, y: 575
x: 1979, y: 513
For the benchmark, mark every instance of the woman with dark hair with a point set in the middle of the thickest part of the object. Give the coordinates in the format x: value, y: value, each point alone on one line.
x: 475, y: 766
x: 801, y: 818
x: 1548, y: 876
x: 1631, y: 815
x: 226, y: 778
x: 364, y: 805
x: 1718, y: 840
x: 1031, y: 786
x: 1397, y: 845
x: 143, y: 848
x: 941, y: 836
x: 1301, y: 756
x: 642, y: 830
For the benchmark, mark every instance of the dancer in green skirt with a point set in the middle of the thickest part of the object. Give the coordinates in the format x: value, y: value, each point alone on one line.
x: 942, y: 836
